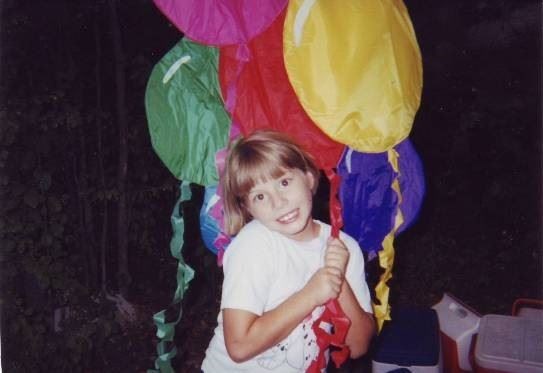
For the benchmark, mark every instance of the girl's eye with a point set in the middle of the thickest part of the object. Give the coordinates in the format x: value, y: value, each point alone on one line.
x: 259, y: 197
x: 285, y: 182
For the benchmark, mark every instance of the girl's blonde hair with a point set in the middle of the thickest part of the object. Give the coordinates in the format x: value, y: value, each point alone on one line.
x: 262, y: 156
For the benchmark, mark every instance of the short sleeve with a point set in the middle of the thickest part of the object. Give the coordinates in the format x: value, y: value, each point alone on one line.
x: 248, y: 270
x: 356, y: 275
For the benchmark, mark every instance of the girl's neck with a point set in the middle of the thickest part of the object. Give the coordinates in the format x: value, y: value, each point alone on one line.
x: 311, y: 231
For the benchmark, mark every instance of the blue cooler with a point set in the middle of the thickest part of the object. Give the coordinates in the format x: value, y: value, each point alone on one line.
x: 410, y: 342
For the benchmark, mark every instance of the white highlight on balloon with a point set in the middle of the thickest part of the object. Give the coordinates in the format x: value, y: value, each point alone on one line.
x: 212, y: 201
x: 299, y: 20
x: 173, y: 69
x: 348, y: 158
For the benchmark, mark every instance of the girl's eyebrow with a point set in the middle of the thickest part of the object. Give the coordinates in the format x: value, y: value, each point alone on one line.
x: 253, y: 190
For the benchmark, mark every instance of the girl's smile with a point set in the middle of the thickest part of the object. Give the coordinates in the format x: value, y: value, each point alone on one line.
x: 290, y: 217
x: 284, y: 204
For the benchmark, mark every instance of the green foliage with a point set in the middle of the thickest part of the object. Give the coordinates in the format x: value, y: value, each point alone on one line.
x: 58, y: 204
x: 38, y: 269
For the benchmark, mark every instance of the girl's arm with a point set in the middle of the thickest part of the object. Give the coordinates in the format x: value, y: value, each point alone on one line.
x: 247, y: 335
x: 362, y: 327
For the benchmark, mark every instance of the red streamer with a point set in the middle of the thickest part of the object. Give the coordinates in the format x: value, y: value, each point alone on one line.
x: 333, y: 314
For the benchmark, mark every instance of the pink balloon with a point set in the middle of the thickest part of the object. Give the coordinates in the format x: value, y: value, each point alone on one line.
x: 221, y: 22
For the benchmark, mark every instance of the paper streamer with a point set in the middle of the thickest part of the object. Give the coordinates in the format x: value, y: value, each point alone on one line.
x: 166, y: 330
x: 333, y: 314
x: 386, y: 256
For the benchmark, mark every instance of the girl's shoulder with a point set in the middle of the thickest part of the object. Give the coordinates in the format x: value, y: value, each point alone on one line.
x: 251, y: 229
x: 253, y: 239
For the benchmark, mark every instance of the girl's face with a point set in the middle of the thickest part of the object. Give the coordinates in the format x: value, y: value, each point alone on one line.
x: 284, y: 204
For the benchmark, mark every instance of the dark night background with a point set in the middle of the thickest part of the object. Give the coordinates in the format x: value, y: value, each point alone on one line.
x: 77, y: 231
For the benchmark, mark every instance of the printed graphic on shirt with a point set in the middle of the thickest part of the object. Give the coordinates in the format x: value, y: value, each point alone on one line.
x: 298, y: 350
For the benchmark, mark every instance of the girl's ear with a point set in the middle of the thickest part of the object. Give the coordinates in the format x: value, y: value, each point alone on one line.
x: 310, y: 180
x: 244, y: 208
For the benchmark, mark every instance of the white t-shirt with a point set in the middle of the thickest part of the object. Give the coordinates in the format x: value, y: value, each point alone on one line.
x: 263, y: 268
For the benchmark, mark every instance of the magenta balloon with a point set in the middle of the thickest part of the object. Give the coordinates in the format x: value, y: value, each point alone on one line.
x: 221, y: 22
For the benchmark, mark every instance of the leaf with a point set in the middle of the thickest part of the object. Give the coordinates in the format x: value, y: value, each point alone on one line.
x: 46, y: 239
x: 74, y: 119
x: 11, y: 204
x: 57, y: 284
x: 57, y: 230
x: 41, y: 328
x: 54, y: 204
x: 18, y: 189
x: 57, y: 251
x: 43, y: 282
x: 70, y: 343
x: 28, y: 161
x: 8, y: 245
x: 88, y: 330
x: 57, y: 267
x: 32, y: 198
x: 45, y: 181
x: 44, y: 145
x: 107, y: 328
x: 15, y: 327
x: 21, y: 248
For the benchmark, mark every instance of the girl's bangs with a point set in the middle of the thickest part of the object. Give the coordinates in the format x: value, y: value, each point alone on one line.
x: 257, y: 170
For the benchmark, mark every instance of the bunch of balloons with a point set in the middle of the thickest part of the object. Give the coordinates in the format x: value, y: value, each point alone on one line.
x: 343, y: 79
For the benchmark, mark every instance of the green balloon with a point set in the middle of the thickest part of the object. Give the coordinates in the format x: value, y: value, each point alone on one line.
x: 185, y: 112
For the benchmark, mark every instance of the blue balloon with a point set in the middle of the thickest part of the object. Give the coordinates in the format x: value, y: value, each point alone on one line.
x: 209, y: 226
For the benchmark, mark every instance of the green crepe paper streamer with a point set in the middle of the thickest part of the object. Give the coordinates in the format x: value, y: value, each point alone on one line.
x: 186, y: 117
x: 166, y: 330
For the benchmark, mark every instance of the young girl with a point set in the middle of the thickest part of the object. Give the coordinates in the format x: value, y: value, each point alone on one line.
x: 281, y: 267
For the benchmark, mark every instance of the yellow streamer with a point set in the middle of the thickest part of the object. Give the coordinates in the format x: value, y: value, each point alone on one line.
x: 386, y: 256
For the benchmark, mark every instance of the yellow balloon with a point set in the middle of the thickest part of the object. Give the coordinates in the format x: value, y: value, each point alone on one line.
x: 356, y: 68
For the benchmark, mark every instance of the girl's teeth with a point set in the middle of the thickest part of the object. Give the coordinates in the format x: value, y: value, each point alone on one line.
x: 288, y: 217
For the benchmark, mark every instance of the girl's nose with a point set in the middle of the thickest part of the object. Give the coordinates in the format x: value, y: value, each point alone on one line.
x: 279, y: 199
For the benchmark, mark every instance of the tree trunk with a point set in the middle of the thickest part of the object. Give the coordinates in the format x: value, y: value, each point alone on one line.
x: 122, y: 168
x: 100, y: 155
x: 2, y: 77
x: 81, y: 177
x: 86, y: 218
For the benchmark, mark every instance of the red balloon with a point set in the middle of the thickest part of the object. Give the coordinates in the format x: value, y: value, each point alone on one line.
x: 263, y: 98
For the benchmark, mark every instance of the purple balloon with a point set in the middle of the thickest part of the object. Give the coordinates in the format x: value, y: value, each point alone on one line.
x: 368, y: 202
x: 412, y: 183
x: 221, y: 22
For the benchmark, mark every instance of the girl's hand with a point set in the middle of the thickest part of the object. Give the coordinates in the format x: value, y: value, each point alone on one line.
x: 325, y: 284
x: 336, y: 255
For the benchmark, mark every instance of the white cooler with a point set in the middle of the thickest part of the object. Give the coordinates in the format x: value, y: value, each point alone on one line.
x: 509, y: 344
x: 458, y: 323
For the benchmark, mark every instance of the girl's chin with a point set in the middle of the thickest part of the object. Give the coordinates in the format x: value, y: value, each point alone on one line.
x: 303, y: 232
